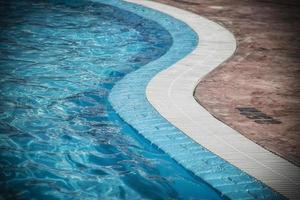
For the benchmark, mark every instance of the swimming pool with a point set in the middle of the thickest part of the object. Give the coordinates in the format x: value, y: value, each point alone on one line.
x: 60, y: 137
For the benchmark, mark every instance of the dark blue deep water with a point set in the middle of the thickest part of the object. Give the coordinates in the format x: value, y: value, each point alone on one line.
x: 59, y: 136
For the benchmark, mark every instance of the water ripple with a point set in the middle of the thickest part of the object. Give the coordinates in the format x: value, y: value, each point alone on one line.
x: 59, y: 136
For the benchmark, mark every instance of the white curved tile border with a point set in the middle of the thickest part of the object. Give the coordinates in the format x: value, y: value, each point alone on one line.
x: 171, y: 93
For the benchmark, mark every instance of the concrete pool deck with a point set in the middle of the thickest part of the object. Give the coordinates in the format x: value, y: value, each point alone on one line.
x: 171, y: 93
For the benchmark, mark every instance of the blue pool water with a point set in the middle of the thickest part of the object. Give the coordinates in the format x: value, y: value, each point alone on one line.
x: 59, y: 136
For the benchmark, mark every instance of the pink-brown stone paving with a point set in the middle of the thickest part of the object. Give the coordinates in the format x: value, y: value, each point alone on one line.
x: 263, y: 73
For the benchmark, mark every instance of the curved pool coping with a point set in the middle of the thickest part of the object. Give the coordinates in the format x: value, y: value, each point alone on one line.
x: 176, y: 86
x: 171, y: 93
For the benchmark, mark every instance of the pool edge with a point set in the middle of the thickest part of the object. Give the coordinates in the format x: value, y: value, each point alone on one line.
x: 186, y: 114
x: 120, y: 89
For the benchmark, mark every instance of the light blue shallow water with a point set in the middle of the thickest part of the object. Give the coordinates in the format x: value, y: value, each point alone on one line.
x: 59, y: 136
